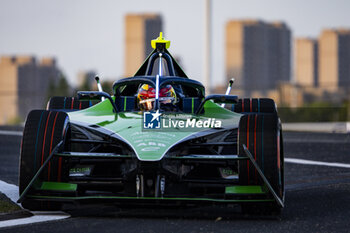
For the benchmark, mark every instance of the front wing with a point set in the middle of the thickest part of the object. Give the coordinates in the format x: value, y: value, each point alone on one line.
x: 181, y: 179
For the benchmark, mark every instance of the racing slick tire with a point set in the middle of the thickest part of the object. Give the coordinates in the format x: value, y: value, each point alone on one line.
x: 262, y: 134
x: 261, y: 105
x: 43, y: 131
x: 67, y: 103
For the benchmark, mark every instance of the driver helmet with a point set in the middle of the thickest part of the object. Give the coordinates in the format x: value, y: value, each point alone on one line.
x: 146, y: 96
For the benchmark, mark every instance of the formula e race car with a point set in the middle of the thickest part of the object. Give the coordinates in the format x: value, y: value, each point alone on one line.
x: 157, y: 140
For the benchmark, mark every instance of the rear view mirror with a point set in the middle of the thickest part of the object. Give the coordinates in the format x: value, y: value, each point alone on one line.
x: 96, y: 95
x: 227, y: 99
x: 92, y: 95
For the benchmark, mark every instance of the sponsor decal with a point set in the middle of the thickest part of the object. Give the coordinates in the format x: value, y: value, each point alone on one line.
x: 80, y: 170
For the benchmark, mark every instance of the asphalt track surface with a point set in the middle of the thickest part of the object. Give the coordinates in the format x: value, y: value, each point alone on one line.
x: 317, y: 198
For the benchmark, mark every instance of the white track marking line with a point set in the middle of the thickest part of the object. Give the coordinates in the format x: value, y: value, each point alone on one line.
x: 33, y: 219
x: 11, y: 133
x: 11, y: 191
x: 318, y: 163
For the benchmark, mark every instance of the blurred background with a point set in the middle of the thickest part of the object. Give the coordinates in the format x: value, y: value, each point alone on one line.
x: 296, y: 52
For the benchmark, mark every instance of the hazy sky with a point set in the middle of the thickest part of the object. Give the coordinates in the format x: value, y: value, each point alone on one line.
x: 89, y: 34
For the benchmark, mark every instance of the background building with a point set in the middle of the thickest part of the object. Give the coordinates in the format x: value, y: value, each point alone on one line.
x: 24, y: 85
x: 334, y: 56
x: 140, y: 29
x: 322, y: 70
x: 306, y: 62
x: 257, y: 54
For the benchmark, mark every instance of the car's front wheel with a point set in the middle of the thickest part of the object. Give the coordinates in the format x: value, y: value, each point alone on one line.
x: 43, y: 131
x: 262, y: 135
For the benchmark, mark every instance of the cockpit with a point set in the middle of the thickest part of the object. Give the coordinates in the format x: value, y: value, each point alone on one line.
x: 175, y: 94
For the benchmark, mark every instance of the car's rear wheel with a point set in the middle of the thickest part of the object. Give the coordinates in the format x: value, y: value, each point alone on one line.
x: 262, y: 135
x: 43, y: 131
x: 261, y: 105
x: 67, y: 103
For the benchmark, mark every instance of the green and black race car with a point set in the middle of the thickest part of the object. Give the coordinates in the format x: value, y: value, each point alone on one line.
x: 157, y: 140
